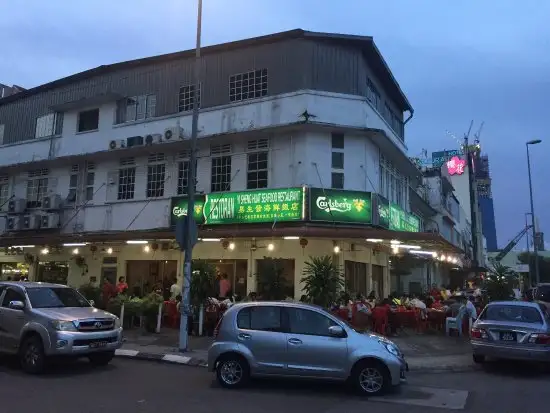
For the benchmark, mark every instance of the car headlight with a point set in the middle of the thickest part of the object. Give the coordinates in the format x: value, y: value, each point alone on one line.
x: 60, y: 325
x: 118, y: 323
x: 392, y: 349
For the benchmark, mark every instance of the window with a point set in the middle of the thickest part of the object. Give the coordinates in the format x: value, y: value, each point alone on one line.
x: 37, y: 187
x: 511, y: 313
x: 90, y: 181
x: 257, y: 170
x: 88, y: 120
x: 4, y: 189
x: 12, y: 295
x: 126, y: 179
x: 187, y: 96
x: 337, y: 140
x: 1, y: 134
x: 48, y: 125
x: 156, y: 175
x: 337, y: 160
x: 337, y: 180
x: 248, y: 85
x: 221, y: 174
x: 264, y: 318
x: 72, y: 197
x: 373, y: 95
x: 183, y: 176
x: 136, y: 108
x: 56, y: 297
x: 308, y: 322
x: 393, y: 185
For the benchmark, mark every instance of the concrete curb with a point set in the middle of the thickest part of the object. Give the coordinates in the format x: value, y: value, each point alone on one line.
x: 200, y: 362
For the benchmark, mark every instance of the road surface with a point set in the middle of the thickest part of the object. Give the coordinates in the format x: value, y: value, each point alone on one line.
x: 149, y: 387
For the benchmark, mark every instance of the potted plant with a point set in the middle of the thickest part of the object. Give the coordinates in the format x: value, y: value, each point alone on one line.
x: 322, y: 280
x: 149, y: 311
x: 272, y: 284
x: 203, y: 286
x: 91, y: 292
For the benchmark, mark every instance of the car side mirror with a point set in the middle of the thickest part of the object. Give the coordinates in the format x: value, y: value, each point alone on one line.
x: 92, y: 303
x: 17, y: 305
x: 336, y: 331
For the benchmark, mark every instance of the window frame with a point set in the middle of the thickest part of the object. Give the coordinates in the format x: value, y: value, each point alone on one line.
x: 258, y: 170
x: 126, y: 169
x: 237, y: 83
x: 332, y: 180
x: 79, y: 120
x: 4, y: 294
x: 186, y: 97
x: 215, y: 186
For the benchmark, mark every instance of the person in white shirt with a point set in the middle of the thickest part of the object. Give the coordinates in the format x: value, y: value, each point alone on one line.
x: 175, y: 290
x: 471, y: 308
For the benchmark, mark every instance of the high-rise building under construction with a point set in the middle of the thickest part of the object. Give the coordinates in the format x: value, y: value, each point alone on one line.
x: 486, y: 206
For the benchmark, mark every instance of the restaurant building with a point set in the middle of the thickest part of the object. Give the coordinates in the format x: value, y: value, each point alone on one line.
x: 294, y: 160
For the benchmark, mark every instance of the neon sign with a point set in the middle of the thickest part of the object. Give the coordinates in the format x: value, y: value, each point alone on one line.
x: 455, y: 166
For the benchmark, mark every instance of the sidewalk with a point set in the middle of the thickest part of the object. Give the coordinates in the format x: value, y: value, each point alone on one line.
x: 423, y: 352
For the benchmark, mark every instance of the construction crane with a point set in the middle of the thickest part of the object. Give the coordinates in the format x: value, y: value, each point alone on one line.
x: 504, y: 252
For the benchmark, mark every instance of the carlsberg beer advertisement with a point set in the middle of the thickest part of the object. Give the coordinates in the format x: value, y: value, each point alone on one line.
x: 332, y: 205
x: 261, y: 206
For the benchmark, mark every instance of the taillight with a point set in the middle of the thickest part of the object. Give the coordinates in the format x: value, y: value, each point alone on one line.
x: 217, y: 329
x: 539, y: 339
x: 478, y: 333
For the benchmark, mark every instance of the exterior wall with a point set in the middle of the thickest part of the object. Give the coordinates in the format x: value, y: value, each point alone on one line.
x: 296, y: 158
x: 288, y: 249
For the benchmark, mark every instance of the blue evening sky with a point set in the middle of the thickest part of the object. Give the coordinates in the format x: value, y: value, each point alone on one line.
x: 456, y: 61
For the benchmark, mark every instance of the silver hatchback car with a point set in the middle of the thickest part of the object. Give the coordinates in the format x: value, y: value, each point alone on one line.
x: 296, y: 340
x: 515, y: 330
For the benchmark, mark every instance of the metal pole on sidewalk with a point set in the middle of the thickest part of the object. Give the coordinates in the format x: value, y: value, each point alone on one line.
x: 188, y: 258
x: 535, y: 246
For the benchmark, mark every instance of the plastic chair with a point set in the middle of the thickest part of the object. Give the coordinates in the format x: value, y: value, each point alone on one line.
x: 172, y: 314
x: 421, y: 321
x: 380, y: 320
x: 455, y: 323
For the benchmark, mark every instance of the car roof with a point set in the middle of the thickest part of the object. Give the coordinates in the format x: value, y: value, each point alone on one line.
x: 514, y: 303
x: 30, y: 284
x: 294, y: 304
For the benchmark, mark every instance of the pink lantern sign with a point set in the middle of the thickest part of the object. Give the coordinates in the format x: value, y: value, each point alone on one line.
x: 456, y: 166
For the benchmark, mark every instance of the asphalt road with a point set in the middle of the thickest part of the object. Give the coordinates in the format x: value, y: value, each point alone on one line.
x: 149, y: 387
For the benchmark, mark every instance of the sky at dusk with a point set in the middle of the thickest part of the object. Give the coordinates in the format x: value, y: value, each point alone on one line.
x: 456, y: 61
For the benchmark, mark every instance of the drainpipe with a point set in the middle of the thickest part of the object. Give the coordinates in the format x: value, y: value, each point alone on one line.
x: 411, y: 114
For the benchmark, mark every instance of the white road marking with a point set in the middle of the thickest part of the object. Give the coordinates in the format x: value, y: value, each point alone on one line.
x: 129, y: 353
x: 174, y: 358
x: 427, y: 397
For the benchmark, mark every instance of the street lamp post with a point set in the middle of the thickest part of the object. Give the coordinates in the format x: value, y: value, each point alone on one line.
x: 190, y: 229
x: 535, y: 250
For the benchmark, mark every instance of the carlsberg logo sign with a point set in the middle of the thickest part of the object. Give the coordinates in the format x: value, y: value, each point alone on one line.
x: 179, y: 212
x: 325, y: 204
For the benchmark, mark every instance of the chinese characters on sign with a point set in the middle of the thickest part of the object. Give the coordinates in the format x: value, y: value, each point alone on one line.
x: 402, y: 221
x: 456, y: 166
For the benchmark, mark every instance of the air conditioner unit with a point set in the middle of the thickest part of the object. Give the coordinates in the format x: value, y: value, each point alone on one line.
x: 30, y: 222
x: 135, y: 141
x: 49, y: 221
x: 113, y: 145
x: 13, y: 223
x: 51, y: 202
x: 173, y: 133
x: 17, y: 206
x: 153, y: 138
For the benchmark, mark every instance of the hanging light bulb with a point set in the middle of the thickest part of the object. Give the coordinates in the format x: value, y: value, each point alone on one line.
x: 270, y: 246
x: 231, y: 246
x: 146, y: 248
x: 336, y: 249
x: 75, y: 251
x: 109, y: 250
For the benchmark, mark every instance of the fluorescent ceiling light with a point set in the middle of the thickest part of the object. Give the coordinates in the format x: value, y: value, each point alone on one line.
x: 374, y: 240
x: 211, y: 239
x: 432, y: 253
x: 137, y: 242
x: 410, y: 247
x: 75, y: 244
x: 23, y: 246
x: 395, y: 242
x: 291, y: 237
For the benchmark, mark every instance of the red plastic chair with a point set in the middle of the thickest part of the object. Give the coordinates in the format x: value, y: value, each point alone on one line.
x: 380, y: 320
x: 421, y: 323
x: 172, y: 314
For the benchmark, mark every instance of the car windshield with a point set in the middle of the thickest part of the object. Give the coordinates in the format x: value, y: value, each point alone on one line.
x: 56, y: 297
x: 512, y: 313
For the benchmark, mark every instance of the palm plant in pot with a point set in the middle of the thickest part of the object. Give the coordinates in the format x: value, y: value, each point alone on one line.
x: 271, y: 281
x: 203, y: 286
x: 500, y: 282
x: 322, y: 280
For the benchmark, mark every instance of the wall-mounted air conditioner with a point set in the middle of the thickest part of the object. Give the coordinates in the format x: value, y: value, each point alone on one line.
x: 51, y: 202
x: 30, y: 222
x: 14, y: 223
x: 135, y: 141
x: 153, y: 138
x: 114, y: 145
x: 17, y: 206
x: 173, y: 133
x: 49, y: 221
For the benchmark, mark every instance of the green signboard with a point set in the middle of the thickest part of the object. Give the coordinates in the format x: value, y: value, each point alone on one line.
x: 381, y: 211
x: 332, y: 205
x: 439, y: 158
x: 402, y: 221
x: 247, y: 207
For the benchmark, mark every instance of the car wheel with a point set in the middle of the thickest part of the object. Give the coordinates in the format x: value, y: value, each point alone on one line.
x: 371, y: 378
x: 232, y: 371
x: 31, y: 356
x: 101, y: 359
x: 478, y: 358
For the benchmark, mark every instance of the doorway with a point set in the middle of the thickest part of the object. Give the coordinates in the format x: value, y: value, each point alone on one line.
x: 236, y: 271
x: 378, y: 280
x: 144, y: 277
x: 56, y: 272
x: 356, y: 277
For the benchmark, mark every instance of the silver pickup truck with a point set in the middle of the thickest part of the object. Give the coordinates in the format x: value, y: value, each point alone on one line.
x: 39, y: 321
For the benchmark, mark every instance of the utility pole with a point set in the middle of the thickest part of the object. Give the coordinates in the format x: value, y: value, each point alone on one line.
x: 535, y: 246
x: 190, y: 220
x: 473, y: 214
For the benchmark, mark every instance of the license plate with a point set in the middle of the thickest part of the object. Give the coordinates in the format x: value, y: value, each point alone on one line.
x: 508, y: 336
x: 98, y: 344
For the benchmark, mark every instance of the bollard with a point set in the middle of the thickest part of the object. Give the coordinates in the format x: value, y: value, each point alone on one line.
x: 159, y: 318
